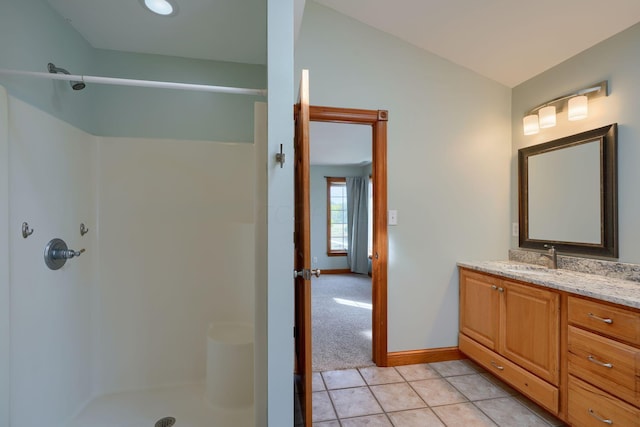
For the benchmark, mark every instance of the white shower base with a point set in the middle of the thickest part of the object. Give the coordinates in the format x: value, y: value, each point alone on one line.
x: 143, y: 408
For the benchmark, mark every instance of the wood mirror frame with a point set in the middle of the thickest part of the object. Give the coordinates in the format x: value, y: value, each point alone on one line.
x: 608, y: 245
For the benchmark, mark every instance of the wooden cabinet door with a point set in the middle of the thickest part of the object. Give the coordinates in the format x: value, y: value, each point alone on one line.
x: 479, y: 307
x: 530, y: 329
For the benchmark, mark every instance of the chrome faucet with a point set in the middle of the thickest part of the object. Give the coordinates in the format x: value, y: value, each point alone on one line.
x: 552, y: 255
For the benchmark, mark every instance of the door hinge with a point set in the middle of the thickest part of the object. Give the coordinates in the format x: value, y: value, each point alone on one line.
x: 295, y: 335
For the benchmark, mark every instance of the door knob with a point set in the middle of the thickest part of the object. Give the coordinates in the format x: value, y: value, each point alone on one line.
x: 306, y: 273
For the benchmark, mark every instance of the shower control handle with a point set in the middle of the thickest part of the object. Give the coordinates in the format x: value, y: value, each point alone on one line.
x: 66, y: 254
x: 56, y: 254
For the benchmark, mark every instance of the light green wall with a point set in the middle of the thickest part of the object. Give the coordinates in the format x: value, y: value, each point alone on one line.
x: 164, y: 113
x: 318, y: 195
x: 617, y: 60
x: 274, y: 231
x: 32, y: 34
x: 449, y: 144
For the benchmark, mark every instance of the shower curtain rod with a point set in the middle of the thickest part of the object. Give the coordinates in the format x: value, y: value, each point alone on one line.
x: 139, y: 83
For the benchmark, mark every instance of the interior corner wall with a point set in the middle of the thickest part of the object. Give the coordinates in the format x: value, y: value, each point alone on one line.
x: 32, y: 34
x: 449, y: 145
x: 5, y: 293
x: 616, y: 60
x: 318, y: 196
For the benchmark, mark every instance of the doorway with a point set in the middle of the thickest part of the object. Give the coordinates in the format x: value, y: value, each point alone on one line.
x: 376, y: 121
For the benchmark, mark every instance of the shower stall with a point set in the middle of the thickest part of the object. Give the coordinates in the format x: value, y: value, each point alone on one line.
x: 130, y: 280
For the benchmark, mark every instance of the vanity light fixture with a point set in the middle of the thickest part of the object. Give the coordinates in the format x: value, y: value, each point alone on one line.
x: 544, y: 115
x: 161, y: 7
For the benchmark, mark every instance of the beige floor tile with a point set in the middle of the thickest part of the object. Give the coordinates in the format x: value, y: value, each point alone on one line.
x: 397, y: 397
x: 417, y: 372
x: 454, y: 367
x: 342, y: 379
x: 476, y: 387
x: 474, y: 365
x: 504, y: 386
x: 327, y: 424
x: 507, y: 412
x: 354, y: 402
x: 415, y: 418
x: 322, y: 409
x: 374, y: 375
x: 369, y: 421
x: 437, y: 392
x: 463, y: 415
x: 539, y: 411
x: 316, y: 382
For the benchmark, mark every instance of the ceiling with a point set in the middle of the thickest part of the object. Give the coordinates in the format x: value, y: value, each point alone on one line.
x: 509, y: 41
x: 222, y: 30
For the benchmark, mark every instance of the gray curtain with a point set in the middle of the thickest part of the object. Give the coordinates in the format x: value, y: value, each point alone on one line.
x: 357, y: 222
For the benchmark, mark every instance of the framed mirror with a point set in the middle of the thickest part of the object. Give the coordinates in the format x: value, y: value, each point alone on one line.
x: 567, y: 191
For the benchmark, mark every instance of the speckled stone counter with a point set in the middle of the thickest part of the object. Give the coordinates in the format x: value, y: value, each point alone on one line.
x: 619, y: 291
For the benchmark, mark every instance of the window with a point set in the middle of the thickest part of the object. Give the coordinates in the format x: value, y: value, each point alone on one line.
x: 337, y: 229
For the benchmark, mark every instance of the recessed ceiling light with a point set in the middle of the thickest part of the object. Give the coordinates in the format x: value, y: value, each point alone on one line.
x: 161, y: 7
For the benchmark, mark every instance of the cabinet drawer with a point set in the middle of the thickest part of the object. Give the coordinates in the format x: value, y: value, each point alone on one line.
x: 533, y: 387
x: 612, y: 321
x: 591, y: 407
x: 605, y: 363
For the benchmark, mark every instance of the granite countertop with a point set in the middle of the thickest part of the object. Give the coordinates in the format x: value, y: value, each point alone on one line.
x: 623, y: 292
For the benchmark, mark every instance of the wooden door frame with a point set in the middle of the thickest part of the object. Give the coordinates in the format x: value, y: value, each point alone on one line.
x: 377, y: 119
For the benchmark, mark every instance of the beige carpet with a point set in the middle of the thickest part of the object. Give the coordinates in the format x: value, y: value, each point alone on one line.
x: 341, y: 321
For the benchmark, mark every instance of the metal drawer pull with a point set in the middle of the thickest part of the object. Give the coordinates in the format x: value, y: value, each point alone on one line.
x: 593, y: 316
x: 599, y: 418
x: 500, y: 289
x: 597, y: 362
x: 498, y: 367
x: 494, y: 287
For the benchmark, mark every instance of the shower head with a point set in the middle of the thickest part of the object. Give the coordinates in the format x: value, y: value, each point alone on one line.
x: 75, y: 85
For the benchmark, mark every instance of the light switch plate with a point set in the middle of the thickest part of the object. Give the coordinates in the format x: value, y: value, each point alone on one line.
x: 393, y: 217
x: 514, y: 229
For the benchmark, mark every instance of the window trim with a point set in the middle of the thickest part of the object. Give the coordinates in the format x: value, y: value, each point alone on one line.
x: 331, y: 180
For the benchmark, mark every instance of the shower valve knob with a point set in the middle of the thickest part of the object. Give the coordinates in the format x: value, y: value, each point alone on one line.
x: 56, y: 254
x: 66, y: 254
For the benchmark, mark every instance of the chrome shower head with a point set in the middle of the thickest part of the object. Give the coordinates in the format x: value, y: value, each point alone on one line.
x: 75, y: 85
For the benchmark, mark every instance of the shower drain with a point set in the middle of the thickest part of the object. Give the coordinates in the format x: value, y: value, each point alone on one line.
x: 165, y: 422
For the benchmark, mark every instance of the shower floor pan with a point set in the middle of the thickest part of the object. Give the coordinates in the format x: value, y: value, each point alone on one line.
x: 186, y: 404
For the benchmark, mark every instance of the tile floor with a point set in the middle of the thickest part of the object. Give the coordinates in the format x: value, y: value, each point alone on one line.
x: 455, y: 393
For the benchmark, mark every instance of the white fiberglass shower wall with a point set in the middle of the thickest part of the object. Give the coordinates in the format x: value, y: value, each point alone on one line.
x: 170, y: 249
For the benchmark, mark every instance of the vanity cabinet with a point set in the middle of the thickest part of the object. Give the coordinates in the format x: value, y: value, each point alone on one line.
x: 513, y: 330
x: 603, y: 343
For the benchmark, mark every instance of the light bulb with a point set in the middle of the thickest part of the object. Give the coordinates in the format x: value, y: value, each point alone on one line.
x: 547, y: 117
x: 530, y: 124
x: 161, y: 7
x: 578, y: 108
